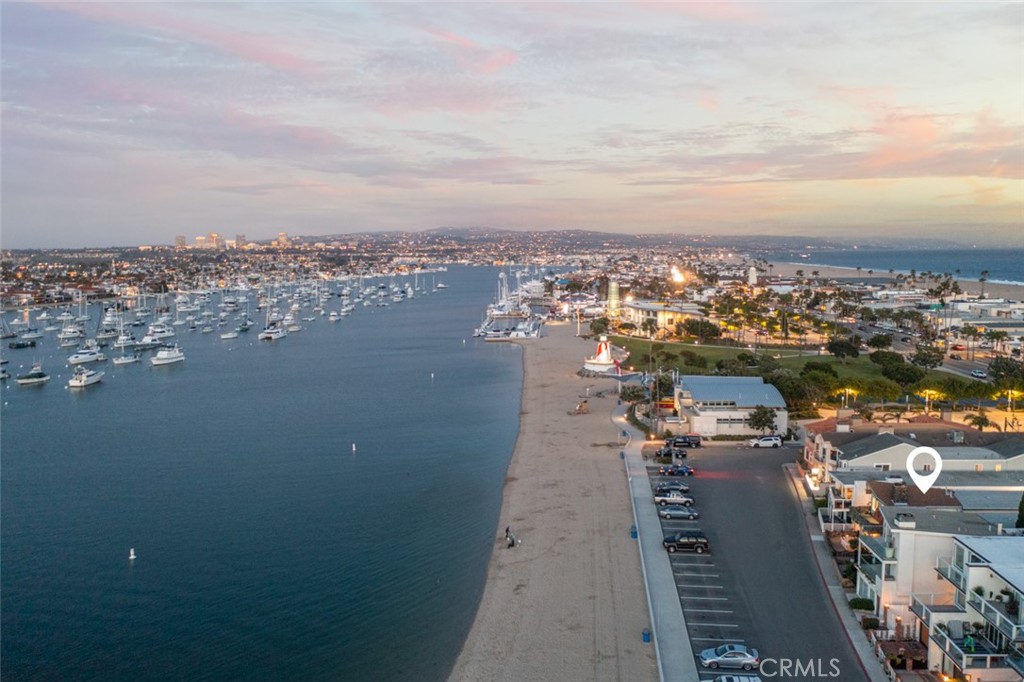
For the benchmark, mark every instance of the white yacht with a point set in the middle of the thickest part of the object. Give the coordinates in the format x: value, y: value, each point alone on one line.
x: 168, y: 355
x: 84, y: 377
x: 127, y: 359
x: 84, y: 355
x: 272, y: 333
x: 160, y: 330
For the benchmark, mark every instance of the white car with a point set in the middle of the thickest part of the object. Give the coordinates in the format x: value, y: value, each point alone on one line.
x: 979, y: 374
x: 773, y: 441
x: 735, y: 678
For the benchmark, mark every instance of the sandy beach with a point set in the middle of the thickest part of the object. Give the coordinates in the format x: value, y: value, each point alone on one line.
x: 568, y: 603
x: 1012, y: 292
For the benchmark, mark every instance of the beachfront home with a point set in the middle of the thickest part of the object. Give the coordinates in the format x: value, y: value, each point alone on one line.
x: 714, y: 405
x: 971, y: 618
x: 664, y: 314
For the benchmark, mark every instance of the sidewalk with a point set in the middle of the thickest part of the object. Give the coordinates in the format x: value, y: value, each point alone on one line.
x: 830, y: 576
x: 676, y: 661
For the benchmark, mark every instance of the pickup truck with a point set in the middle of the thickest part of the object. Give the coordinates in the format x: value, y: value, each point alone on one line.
x: 672, y: 497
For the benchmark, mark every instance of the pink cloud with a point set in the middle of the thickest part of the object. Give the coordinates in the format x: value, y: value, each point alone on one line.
x: 229, y: 40
x: 472, y: 56
x: 721, y: 11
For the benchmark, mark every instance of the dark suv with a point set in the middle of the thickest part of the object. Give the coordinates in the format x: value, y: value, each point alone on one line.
x: 686, y: 541
x: 689, y: 440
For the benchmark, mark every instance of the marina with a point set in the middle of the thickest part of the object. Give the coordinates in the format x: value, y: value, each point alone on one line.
x: 259, y: 438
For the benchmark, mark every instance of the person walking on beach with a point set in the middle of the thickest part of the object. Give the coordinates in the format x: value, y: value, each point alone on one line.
x: 511, y: 541
x: 508, y: 531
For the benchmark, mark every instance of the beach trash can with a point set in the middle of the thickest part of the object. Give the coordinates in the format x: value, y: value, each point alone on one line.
x: 632, y: 531
x: 622, y: 454
x: 646, y: 636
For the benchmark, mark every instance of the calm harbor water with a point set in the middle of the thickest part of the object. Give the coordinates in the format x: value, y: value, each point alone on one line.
x: 267, y: 548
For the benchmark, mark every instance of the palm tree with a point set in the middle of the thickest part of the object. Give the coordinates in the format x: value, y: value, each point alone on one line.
x: 983, y: 278
x: 980, y: 421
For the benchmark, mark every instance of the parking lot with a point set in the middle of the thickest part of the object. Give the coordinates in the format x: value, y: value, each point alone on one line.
x: 759, y: 585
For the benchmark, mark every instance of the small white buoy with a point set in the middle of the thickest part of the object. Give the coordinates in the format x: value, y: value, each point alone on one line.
x: 463, y: 342
x: 353, y: 447
x: 131, y: 554
x: 431, y: 376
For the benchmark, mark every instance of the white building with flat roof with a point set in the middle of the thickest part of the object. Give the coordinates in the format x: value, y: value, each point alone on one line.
x: 715, y: 405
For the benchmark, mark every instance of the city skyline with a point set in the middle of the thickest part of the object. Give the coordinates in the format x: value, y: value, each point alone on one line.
x: 132, y: 123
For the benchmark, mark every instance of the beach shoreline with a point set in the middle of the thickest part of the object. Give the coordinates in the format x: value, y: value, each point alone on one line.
x: 568, y: 602
x: 993, y: 289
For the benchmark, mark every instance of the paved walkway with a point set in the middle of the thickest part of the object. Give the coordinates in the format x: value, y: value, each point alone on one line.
x: 676, y: 661
x: 830, y: 576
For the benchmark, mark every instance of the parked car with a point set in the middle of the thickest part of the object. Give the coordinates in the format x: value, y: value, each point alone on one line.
x: 673, y: 497
x: 674, y: 452
x: 671, y: 485
x: 689, y: 440
x: 730, y: 656
x: 686, y: 541
x: 772, y: 441
x: 735, y: 678
x: 955, y: 356
x: 676, y: 470
x: 979, y: 374
x: 678, y: 511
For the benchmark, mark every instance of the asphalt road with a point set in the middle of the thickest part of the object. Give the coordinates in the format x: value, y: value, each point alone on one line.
x: 760, y: 584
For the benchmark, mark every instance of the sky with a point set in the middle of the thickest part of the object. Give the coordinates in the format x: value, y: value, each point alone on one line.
x: 131, y: 123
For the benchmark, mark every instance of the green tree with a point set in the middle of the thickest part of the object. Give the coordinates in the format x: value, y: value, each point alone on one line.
x: 817, y: 366
x: 880, y: 341
x: 980, y: 421
x: 762, y: 417
x: 649, y: 326
x: 927, y: 356
x: 599, y: 326
x: 886, y: 358
x: 842, y: 349
x: 1006, y: 368
x: 633, y: 393
x: 1020, y: 513
x: 903, y: 374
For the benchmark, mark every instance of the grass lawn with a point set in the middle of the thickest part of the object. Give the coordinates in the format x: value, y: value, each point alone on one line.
x: 854, y: 368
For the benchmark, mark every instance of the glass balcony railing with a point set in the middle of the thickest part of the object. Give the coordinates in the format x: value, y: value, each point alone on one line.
x: 996, y: 613
x: 951, y: 573
x: 977, y: 652
x: 925, y: 605
x: 1016, y: 661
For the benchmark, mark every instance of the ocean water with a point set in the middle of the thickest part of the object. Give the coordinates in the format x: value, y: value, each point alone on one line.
x: 267, y: 549
x: 1003, y: 265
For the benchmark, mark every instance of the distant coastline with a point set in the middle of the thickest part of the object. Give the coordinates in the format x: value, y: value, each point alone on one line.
x: 993, y: 288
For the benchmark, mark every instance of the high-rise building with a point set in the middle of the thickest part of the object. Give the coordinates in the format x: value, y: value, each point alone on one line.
x: 282, y: 239
x: 180, y: 242
x: 240, y: 241
x: 200, y: 242
x: 213, y: 241
x: 613, y: 299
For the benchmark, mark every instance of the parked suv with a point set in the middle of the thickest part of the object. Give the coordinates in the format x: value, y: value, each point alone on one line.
x: 672, y: 485
x: 686, y: 541
x: 773, y: 441
x: 671, y: 451
x: 689, y: 440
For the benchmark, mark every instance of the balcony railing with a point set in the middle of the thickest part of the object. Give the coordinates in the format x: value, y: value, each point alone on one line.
x: 995, y: 613
x: 877, y: 547
x: 984, y: 653
x: 925, y: 605
x: 951, y: 573
x: 870, y: 571
x: 1016, y: 661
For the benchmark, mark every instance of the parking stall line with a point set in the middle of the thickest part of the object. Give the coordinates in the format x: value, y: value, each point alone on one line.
x: 704, y: 598
x: 696, y: 575
x: 707, y: 611
x: 716, y: 625
x: 701, y: 587
x: 715, y: 639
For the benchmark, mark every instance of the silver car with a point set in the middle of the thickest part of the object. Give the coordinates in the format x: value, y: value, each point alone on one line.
x: 678, y: 511
x: 730, y: 656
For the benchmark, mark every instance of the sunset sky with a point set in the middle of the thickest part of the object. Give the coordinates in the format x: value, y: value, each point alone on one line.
x: 132, y: 123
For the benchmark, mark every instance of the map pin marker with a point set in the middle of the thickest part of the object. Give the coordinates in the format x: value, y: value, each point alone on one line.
x: 924, y: 481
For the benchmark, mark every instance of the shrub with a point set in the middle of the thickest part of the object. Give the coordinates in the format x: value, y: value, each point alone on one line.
x: 862, y: 604
x: 869, y: 623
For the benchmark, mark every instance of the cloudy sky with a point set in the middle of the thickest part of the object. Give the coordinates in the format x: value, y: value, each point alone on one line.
x: 131, y: 123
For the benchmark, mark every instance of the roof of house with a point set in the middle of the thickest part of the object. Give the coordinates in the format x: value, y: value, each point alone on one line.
x: 959, y: 480
x: 744, y: 391
x: 911, y: 496
x: 930, y: 520
x: 989, y: 500
x: 872, y: 444
x: 1009, y: 447
x: 1004, y: 554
